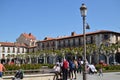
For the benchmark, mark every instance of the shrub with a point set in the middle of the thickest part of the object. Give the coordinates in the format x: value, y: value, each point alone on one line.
x: 26, y: 66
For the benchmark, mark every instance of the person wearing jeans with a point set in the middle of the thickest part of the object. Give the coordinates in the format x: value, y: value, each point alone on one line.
x: 2, y: 68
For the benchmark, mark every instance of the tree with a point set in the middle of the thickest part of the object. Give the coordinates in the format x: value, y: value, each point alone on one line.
x: 90, y: 49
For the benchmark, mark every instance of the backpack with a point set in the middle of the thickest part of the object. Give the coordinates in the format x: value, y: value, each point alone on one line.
x: 65, y: 64
x: 73, y: 65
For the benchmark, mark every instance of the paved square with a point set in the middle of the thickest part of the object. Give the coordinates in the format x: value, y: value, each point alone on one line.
x: 106, y: 76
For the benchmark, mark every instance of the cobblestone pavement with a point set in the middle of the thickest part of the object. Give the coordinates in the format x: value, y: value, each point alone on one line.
x: 106, y: 76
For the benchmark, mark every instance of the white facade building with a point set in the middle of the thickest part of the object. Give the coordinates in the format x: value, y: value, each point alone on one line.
x: 8, y: 49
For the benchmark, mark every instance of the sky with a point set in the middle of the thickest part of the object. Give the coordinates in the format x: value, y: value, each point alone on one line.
x: 53, y: 18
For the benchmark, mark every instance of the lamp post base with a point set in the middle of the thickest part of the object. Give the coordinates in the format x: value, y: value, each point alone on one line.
x: 84, y: 76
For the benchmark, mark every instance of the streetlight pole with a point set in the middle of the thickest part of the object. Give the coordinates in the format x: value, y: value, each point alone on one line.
x: 83, y: 10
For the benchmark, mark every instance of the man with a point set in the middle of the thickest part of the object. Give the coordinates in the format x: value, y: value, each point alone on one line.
x: 65, y: 69
x: 2, y: 68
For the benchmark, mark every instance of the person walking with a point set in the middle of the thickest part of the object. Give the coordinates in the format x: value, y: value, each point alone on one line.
x: 2, y: 68
x: 75, y: 68
x: 79, y: 66
x: 71, y: 69
x: 65, y: 69
x: 100, y: 71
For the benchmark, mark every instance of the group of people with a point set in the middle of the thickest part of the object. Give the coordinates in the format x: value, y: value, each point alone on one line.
x: 67, y: 69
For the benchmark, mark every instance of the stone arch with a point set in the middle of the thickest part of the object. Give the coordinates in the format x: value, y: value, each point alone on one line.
x: 117, y: 57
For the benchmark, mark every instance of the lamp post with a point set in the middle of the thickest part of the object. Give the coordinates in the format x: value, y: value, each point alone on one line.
x: 83, y: 10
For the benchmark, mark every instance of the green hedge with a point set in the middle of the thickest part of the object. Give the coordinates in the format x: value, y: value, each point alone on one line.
x: 109, y: 67
x: 112, y: 67
x: 26, y: 66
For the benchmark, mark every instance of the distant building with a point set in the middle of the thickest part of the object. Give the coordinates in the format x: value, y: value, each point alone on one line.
x: 27, y: 39
x: 9, y: 49
x: 76, y: 40
x: 24, y: 43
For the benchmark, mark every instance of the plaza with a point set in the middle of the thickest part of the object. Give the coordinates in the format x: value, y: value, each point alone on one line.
x: 94, y: 47
x: 106, y: 76
x: 49, y: 76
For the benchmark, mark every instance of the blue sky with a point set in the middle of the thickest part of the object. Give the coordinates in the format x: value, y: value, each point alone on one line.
x: 54, y: 18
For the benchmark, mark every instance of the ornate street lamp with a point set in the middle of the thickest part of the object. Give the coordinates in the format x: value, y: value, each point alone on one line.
x: 83, y: 10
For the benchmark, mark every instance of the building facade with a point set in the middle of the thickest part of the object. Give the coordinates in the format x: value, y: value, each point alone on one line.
x: 27, y: 43
x: 27, y: 39
x: 76, y: 40
x: 10, y: 50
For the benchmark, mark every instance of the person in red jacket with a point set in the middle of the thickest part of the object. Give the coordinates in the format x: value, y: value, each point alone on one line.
x: 65, y: 69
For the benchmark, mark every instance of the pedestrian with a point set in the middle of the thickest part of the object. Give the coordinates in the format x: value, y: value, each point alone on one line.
x: 75, y: 68
x: 100, y: 70
x: 71, y: 69
x: 65, y: 69
x: 79, y: 66
x: 61, y: 68
x: 2, y: 68
x: 18, y: 75
x: 57, y: 70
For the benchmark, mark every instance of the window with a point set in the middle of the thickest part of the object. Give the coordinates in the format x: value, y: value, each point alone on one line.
x: 18, y: 50
x: 3, y: 49
x: 64, y: 43
x: 68, y: 43
x: 73, y: 42
x: 8, y: 50
x: 32, y: 43
x: 59, y: 44
x: 92, y: 41
x: 79, y: 41
x: 48, y: 45
x: 53, y: 44
x: 43, y: 45
x: 13, y: 50
x: 22, y: 50
x: 105, y: 36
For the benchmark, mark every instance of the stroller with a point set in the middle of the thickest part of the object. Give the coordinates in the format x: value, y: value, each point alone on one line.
x: 18, y: 75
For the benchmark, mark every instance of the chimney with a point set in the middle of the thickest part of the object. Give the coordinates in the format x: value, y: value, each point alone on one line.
x: 29, y: 34
x: 73, y: 34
